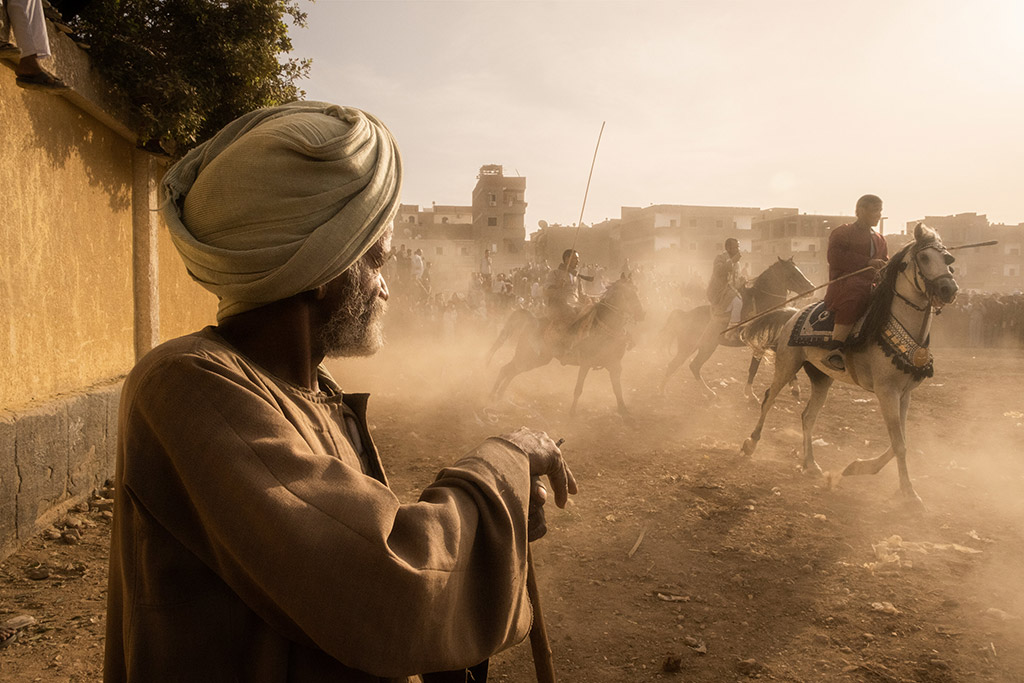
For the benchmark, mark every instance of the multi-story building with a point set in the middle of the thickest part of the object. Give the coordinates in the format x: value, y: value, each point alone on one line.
x: 786, y: 233
x: 998, y: 268
x: 453, y: 238
x: 594, y: 244
x: 499, y: 212
x: 680, y: 239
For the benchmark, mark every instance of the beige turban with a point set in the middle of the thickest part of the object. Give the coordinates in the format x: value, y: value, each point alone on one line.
x: 282, y: 200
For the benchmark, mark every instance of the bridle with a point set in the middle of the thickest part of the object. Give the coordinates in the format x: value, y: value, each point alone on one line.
x: 926, y: 286
x: 605, y: 301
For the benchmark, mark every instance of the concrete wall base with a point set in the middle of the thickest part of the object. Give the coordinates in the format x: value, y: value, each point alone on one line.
x: 53, y: 456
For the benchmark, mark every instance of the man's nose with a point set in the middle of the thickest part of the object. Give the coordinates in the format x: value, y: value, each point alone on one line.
x: 383, y: 287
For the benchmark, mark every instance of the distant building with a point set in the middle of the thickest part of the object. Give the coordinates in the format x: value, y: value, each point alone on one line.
x: 499, y: 212
x: 998, y: 268
x: 785, y: 233
x: 453, y: 238
x: 594, y: 244
x: 682, y: 240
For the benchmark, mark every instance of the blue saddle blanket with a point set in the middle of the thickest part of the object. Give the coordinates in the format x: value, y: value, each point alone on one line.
x: 813, y: 326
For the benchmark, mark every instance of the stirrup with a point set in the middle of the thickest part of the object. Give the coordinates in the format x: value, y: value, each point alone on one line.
x: 836, y: 361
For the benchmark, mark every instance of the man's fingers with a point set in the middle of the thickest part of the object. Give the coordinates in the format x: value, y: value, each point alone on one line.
x: 573, y: 489
x: 560, y: 484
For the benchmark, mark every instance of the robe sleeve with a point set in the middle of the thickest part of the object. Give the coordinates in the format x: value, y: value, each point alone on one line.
x: 322, y: 552
x: 842, y: 257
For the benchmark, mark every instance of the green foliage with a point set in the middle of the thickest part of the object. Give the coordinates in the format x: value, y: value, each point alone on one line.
x: 190, y: 66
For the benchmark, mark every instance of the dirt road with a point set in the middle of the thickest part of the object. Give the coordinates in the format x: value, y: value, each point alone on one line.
x: 681, y: 559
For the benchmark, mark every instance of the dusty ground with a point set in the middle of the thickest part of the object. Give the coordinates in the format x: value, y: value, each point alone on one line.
x: 680, y: 559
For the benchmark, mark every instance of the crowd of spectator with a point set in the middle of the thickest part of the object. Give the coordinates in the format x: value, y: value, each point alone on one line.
x: 981, y: 320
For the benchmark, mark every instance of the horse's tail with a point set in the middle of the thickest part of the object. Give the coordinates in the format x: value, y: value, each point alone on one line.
x: 762, y: 334
x: 517, y: 322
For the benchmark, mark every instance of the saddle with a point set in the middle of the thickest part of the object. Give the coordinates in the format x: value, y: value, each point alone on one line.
x: 814, y: 328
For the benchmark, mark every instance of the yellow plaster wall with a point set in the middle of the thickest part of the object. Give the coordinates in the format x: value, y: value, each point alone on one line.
x: 184, y: 306
x: 65, y: 248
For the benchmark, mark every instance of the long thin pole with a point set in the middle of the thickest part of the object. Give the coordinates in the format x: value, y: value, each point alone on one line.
x: 971, y: 246
x: 579, y: 223
x: 798, y: 296
x: 539, y: 644
x: 856, y: 272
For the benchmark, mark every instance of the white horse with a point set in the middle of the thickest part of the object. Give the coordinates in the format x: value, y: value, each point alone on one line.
x: 890, y: 359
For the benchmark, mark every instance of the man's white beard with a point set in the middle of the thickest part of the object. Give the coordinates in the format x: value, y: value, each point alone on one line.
x: 357, y: 328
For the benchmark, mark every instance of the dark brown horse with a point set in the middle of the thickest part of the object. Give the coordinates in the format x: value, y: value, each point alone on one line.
x: 699, y: 334
x: 599, y: 334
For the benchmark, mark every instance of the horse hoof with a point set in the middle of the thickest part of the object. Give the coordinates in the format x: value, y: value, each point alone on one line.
x: 748, y: 447
x: 912, y: 501
x: 812, y: 470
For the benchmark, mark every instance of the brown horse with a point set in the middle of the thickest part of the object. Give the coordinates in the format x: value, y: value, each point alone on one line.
x: 600, y: 338
x: 888, y: 357
x: 699, y: 334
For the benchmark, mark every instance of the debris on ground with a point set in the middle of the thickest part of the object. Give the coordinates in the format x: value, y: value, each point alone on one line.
x: 885, y: 607
x: 673, y: 664
x: 750, y: 668
x: 895, y: 551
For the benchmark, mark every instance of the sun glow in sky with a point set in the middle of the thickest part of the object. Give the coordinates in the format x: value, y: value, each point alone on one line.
x: 747, y: 103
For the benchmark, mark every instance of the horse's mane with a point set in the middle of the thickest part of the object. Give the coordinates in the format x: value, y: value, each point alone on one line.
x: 880, y: 304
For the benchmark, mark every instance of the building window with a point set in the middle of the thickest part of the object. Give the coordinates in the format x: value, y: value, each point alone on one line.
x: 492, y: 199
x: 412, y: 219
x: 812, y: 248
x: 673, y: 223
x: 464, y: 251
x: 444, y: 219
x: 492, y: 220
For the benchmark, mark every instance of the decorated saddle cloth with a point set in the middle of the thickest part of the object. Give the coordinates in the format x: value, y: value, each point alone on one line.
x: 814, y: 328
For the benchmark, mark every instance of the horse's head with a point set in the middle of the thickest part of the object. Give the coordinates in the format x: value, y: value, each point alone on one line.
x: 931, y: 263
x: 622, y: 296
x: 795, y: 280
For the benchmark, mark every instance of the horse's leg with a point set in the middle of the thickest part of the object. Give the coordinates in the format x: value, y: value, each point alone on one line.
x: 820, y: 384
x: 748, y: 389
x: 615, y: 374
x: 505, y: 376
x: 901, y: 459
x: 580, y: 379
x: 678, y: 360
x: 787, y: 363
x: 704, y: 351
x: 894, y: 408
x: 502, y: 336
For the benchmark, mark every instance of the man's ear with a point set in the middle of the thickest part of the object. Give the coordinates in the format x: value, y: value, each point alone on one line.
x: 320, y: 293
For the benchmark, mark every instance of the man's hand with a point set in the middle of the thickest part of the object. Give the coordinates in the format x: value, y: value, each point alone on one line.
x: 545, y: 461
x: 876, y: 263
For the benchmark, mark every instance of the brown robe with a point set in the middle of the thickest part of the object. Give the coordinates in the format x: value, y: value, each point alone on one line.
x: 253, y: 542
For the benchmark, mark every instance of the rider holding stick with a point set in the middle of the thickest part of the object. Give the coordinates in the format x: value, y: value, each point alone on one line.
x: 853, y: 247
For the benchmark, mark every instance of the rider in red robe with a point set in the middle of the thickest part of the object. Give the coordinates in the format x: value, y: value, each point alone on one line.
x: 852, y: 247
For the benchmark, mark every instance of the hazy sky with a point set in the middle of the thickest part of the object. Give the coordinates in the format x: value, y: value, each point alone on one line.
x: 750, y: 103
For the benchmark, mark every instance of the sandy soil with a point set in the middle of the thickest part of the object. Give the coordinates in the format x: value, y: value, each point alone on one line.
x: 681, y: 559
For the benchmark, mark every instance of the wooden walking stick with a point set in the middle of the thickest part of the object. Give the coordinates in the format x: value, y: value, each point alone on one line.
x: 539, y: 644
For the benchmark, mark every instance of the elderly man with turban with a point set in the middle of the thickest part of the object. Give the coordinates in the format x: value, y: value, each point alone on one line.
x: 255, y: 537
